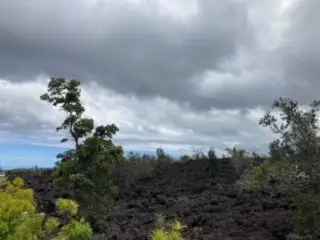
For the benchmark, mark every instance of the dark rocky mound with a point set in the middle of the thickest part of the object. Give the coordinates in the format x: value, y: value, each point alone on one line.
x: 210, y: 208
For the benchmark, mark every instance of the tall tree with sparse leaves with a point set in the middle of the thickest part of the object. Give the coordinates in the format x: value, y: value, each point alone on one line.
x: 66, y: 94
x: 86, y: 170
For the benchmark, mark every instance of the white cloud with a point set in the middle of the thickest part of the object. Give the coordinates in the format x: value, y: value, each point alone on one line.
x: 145, y: 123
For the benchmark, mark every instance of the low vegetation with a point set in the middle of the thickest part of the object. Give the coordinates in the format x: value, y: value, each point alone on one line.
x: 168, y: 231
x: 19, y: 218
x: 293, y: 167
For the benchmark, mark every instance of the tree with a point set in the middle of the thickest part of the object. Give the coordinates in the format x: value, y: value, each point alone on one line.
x: 161, y: 154
x: 86, y: 170
x: 298, y: 148
x: 297, y: 129
x: 240, y: 159
x: 213, y: 163
x: 237, y: 153
x: 66, y: 94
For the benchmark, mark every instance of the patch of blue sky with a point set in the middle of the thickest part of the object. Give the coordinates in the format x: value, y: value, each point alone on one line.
x: 27, y: 156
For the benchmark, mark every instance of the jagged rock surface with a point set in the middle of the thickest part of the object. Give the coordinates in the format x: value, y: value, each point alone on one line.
x: 211, y: 209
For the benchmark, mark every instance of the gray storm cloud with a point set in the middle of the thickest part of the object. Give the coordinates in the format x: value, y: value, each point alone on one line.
x: 168, y: 72
x: 131, y: 48
x: 301, y: 53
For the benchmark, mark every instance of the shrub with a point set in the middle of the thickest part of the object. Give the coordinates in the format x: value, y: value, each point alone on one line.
x: 19, y: 218
x: 168, y: 231
x: 66, y: 206
x: 307, y: 214
x: 283, y: 177
x: 76, y: 230
x: 88, y: 174
x: 274, y: 177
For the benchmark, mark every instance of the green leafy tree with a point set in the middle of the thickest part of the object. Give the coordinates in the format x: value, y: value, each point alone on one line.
x: 297, y: 129
x: 89, y: 175
x: 66, y: 94
x: 86, y: 170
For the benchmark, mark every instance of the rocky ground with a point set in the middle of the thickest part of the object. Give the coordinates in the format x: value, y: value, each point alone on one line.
x: 210, y: 208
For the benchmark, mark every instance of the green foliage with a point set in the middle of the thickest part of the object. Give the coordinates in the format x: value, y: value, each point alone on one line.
x: 295, y: 161
x: 68, y: 207
x: 272, y: 177
x: 307, y: 214
x: 19, y: 218
x: 171, y: 231
x: 17, y: 211
x: 51, y: 225
x: 88, y: 175
x: 297, y: 129
x: 76, y: 230
x: 66, y: 94
x: 284, y: 177
x: 85, y: 171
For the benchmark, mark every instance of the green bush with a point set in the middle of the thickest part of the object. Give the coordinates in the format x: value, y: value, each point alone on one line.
x: 283, y: 177
x: 274, y: 177
x: 76, y: 230
x: 67, y: 206
x: 20, y: 220
x: 168, y: 231
x: 88, y: 175
x: 307, y: 214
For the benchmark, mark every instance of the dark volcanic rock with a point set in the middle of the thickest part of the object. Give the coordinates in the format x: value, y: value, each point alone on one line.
x: 211, y: 208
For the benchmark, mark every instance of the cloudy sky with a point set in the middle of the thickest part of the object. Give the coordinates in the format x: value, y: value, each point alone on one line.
x: 179, y: 74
